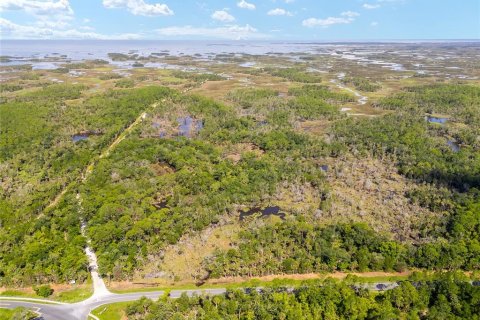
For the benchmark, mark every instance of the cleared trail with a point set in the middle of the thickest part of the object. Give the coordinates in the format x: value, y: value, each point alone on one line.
x: 89, y: 168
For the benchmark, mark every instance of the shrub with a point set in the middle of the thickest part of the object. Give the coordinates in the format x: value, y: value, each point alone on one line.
x: 43, y: 291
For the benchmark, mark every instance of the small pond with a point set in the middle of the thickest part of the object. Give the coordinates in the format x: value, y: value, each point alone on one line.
x: 187, y: 124
x: 184, y: 126
x: 453, y: 145
x: 268, y: 211
x: 247, y: 64
x: 161, y: 204
x: 79, y: 137
x: 433, y: 119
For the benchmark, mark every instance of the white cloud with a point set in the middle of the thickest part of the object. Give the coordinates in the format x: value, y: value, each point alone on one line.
x: 232, y: 32
x: 289, y: 1
x: 223, y: 16
x: 139, y: 7
x: 279, y: 12
x: 374, y: 24
x: 350, y: 14
x: 345, y: 18
x: 54, y: 14
x: 370, y: 6
x: 10, y: 30
x: 36, y: 7
x: 246, y: 5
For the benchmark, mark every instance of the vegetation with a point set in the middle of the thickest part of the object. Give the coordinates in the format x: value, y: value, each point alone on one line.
x: 189, y: 165
x: 448, y: 297
x: 196, y: 77
x: 295, y: 74
x: 43, y: 291
x: 125, y: 83
x: 17, y: 314
x: 40, y: 159
x: 300, y: 247
x: 361, y: 84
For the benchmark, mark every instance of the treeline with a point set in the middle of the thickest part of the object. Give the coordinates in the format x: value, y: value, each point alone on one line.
x: 197, y: 77
x: 300, y: 247
x: 361, y: 84
x: 308, y: 102
x: 315, y: 102
x: 420, y: 150
x: 448, y: 297
x: 461, y: 101
x: 295, y: 74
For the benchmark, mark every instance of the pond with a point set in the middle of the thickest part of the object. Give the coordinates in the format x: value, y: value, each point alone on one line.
x: 186, y: 124
x: 433, y: 119
x: 79, y: 137
x: 268, y: 211
x: 247, y: 64
x: 453, y: 145
x: 161, y: 204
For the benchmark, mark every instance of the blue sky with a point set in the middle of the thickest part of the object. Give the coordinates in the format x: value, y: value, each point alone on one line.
x: 240, y: 19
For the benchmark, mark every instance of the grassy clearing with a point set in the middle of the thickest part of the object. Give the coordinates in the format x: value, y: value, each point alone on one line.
x: 17, y: 313
x: 75, y: 295
x: 114, y: 311
x: 61, y: 293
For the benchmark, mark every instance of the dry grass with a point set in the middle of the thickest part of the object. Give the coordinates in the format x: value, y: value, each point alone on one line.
x: 371, y: 191
x: 182, y: 262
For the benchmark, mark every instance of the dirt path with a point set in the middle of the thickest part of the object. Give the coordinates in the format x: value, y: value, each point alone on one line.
x: 99, y: 287
x: 89, y: 169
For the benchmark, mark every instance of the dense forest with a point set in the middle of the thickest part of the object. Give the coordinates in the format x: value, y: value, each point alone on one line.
x: 193, y: 162
x: 40, y: 158
x: 446, y: 297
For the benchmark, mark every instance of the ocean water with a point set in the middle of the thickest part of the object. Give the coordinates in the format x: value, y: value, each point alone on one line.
x: 49, y: 54
x: 77, y: 50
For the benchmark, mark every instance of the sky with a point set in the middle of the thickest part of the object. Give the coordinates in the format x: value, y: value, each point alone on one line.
x: 317, y: 20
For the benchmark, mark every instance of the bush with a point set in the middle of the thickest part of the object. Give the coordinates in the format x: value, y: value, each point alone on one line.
x: 43, y: 291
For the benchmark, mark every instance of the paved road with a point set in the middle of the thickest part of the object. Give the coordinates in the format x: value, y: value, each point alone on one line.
x: 81, y: 310
x: 74, y: 311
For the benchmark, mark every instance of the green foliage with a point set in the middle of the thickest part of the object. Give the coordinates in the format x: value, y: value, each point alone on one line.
x: 419, y: 150
x: 445, y: 298
x: 460, y: 101
x: 119, y: 56
x: 125, y: 83
x: 197, y: 77
x: 110, y: 76
x: 10, y: 87
x: 361, y: 84
x: 296, y: 247
x: 295, y: 74
x: 43, y: 291
x: 40, y: 158
x: 313, y: 101
x: 18, y: 313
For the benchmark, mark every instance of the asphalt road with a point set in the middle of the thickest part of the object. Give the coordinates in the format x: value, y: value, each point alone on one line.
x: 74, y: 311
x: 81, y: 310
